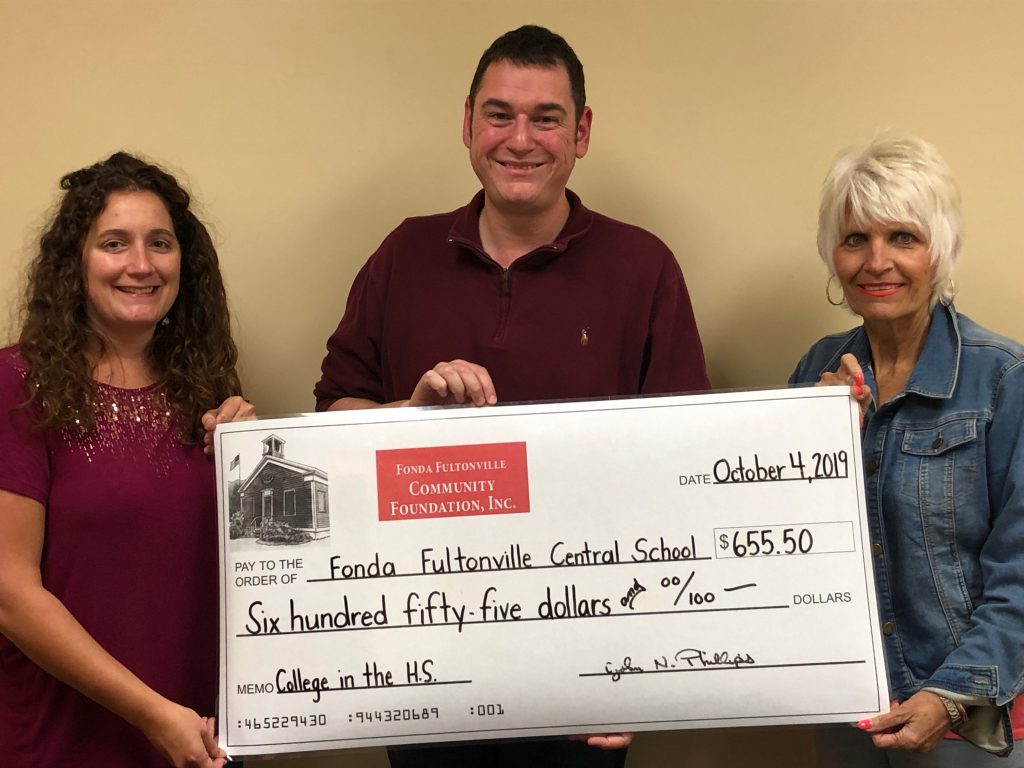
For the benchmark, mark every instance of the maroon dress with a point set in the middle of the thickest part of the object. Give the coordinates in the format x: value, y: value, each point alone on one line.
x: 131, y: 549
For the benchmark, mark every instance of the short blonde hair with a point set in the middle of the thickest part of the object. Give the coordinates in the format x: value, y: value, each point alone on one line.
x: 895, y: 180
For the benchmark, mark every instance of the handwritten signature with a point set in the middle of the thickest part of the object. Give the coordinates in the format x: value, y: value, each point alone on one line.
x: 687, y: 658
x: 695, y: 657
x: 626, y: 668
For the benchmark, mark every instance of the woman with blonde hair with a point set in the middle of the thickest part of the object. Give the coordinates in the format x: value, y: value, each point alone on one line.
x: 943, y: 442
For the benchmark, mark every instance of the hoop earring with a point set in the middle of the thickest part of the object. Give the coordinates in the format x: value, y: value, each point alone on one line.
x: 828, y: 296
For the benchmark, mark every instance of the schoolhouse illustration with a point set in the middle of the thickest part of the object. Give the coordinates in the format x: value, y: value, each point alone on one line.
x: 279, y: 491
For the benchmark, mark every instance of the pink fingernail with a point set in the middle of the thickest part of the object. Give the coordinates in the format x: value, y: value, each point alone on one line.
x: 864, y: 724
x: 858, y: 378
x: 857, y: 389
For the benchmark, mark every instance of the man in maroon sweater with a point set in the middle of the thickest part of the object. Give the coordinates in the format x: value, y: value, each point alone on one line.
x: 523, y: 294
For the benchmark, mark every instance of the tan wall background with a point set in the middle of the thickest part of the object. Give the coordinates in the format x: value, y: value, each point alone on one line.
x: 308, y: 129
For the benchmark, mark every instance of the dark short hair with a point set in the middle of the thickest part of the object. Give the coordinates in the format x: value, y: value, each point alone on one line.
x: 531, y: 45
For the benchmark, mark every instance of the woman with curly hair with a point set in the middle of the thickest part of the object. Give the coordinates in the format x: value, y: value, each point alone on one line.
x: 108, y: 594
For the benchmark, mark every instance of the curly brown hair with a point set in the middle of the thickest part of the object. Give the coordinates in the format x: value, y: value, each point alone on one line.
x: 191, y: 353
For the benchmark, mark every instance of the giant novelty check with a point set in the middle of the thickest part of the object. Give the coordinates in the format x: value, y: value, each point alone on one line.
x: 414, y: 575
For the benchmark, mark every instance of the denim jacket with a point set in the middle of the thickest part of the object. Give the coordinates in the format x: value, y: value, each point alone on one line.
x: 944, y: 477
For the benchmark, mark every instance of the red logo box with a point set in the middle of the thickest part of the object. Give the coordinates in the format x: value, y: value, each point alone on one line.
x: 452, y: 481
